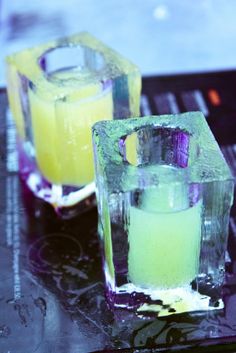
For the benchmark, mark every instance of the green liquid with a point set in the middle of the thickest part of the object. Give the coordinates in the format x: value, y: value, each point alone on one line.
x: 164, y: 247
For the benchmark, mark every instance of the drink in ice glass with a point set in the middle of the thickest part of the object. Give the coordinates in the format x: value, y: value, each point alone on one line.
x: 164, y: 195
x: 57, y: 91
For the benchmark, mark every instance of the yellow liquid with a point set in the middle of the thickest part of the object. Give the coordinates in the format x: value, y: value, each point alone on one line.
x: 63, y: 136
x: 164, y: 247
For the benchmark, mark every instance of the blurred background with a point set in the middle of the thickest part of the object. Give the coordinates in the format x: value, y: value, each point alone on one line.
x: 160, y: 36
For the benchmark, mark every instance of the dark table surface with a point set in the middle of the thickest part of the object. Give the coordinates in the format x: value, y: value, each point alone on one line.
x: 51, y: 280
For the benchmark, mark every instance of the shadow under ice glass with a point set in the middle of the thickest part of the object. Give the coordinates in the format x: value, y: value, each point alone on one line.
x: 164, y: 195
x: 57, y: 91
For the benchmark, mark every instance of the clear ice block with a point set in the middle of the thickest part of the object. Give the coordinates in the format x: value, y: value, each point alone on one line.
x: 164, y: 194
x: 57, y: 91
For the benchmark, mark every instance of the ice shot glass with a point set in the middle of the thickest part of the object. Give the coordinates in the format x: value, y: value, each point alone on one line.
x: 164, y: 194
x: 57, y: 91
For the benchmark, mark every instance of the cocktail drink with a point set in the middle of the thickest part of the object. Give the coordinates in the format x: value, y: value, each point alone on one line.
x: 164, y: 195
x: 57, y: 91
